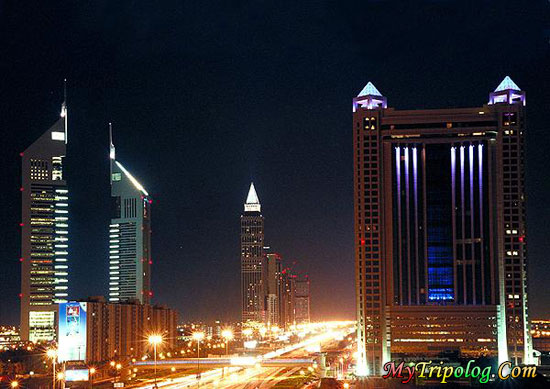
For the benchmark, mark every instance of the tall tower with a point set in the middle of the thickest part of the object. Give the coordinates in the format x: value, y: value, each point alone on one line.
x: 252, y: 258
x: 440, y: 238
x: 273, y: 289
x: 129, y: 236
x: 302, y: 301
x: 44, y: 232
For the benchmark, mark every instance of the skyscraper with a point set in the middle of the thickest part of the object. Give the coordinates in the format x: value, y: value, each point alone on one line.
x: 301, y: 300
x: 252, y: 257
x: 129, y: 236
x: 440, y: 238
x: 44, y: 232
x: 273, y: 288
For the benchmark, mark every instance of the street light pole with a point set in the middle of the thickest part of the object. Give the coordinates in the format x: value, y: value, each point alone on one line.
x: 155, y: 347
x: 53, y: 374
x: 52, y: 354
x: 155, y: 340
x: 92, y: 372
x: 199, y: 358
x: 198, y: 337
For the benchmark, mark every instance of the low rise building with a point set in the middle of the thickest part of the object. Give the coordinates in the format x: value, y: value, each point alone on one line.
x: 94, y: 330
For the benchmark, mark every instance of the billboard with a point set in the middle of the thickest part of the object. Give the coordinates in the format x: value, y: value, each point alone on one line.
x: 72, y: 332
x: 77, y: 375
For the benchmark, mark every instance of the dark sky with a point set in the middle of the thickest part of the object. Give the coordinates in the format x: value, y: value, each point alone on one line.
x: 206, y: 96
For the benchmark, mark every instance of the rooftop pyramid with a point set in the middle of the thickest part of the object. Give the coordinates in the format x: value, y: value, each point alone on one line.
x: 252, y: 201
x: 369, y: 89
x: 507, y: 84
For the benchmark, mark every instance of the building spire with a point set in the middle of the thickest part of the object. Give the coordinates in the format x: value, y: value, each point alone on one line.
x: 111, y: 145
x: 63, y: 113
x: 252, y: 203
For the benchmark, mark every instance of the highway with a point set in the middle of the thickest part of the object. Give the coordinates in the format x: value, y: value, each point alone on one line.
x: 255, y: 375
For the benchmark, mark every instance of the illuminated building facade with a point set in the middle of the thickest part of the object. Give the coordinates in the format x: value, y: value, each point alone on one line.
x: 252, y: 258
x: 301, y: 300
x: 274, y: 289
x: 117, y: 331
x: 540, y: 331
x: 129, y: 237
x: 296, y: 299
x: 288, y: 301
x: 440, y: 238
x: 44, y: 232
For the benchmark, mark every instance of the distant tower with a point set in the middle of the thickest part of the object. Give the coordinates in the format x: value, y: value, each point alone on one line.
x: 44, y: 232
x: 302, y: 302
x: 273, y: 289
x: 252, y: 257
x: 129, y: 236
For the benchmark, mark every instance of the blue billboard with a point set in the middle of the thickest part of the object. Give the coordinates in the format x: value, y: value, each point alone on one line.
x: 72, y: 332
x: 77, y: 375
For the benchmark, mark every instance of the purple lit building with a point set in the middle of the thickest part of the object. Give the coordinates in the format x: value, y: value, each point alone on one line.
x: 440, y: 237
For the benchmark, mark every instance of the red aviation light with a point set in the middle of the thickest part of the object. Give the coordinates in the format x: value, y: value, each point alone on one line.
x: 20, y: 295
x: 362, y: 242
x: 150, y: 201
x: 21, y: 259
x: 522, y: 238
x: 150, y: 293
x: 21, y: 189
x: 21, y: 224
x: 21, y: 154
x: 150, y: 262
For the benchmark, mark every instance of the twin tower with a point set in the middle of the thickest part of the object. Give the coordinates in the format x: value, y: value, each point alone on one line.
x: 45, y: 233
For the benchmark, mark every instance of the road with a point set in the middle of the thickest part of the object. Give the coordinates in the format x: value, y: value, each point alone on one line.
x: 253, y: 377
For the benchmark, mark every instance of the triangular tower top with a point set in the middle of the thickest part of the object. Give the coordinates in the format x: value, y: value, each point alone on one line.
x: 507, y: 92
x: 369, y: 98
x: 252, y: 201
x: 369, y: 90
x: 507, y: 84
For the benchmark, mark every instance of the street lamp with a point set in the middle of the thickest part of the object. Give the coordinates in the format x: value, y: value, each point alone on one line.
x: 14, y: 384
x: 227, y: 334
x: 52, y: 354
x: 198, y: 336
x: 155, y: 340
x: 92, y: 372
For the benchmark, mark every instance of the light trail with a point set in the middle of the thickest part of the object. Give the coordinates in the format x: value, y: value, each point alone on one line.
x: 234, y: 376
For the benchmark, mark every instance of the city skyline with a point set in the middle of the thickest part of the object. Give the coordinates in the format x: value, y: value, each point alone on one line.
x: 197, y: 152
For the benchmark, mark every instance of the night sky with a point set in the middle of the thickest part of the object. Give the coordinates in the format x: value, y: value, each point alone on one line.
x: 207, y: 96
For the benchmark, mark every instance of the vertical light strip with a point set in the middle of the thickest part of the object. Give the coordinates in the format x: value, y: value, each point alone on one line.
x: 462, y: 218
x: 415, y: 189
x: 399, y: 256
x: 472, y: 230
x: 453, y: 197
x: 407, y: 224
x: 482, y: 258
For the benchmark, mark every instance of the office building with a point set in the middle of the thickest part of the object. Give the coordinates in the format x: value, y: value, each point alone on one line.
x: 287, y: 300
x: 540, y: 331
x: 301, y: 300
x: 44, y: 232
x: 273, y: 288
x: 296, y: 299
x: 129, y: 236
x: 440, y: 238
x: 252, y: 258
x: 96, y: 331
